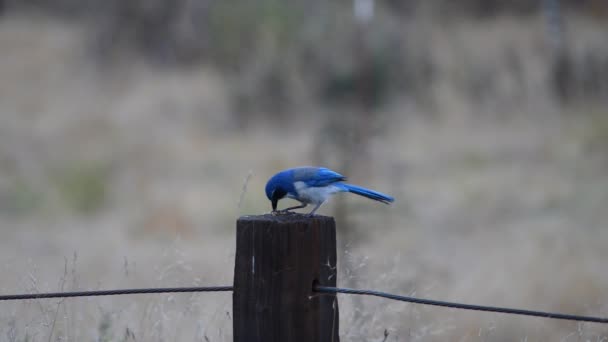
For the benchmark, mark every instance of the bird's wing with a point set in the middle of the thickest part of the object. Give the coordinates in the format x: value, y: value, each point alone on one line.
x: 316, y: 176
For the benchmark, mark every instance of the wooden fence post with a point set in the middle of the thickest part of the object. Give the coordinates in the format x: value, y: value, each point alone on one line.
x: 278, y: 258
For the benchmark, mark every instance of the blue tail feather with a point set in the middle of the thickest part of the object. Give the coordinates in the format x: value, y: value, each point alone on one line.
x: 371, y: 194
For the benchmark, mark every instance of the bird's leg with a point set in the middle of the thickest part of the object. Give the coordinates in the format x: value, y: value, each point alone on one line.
x: 303, y: 205
x: 312, y: 213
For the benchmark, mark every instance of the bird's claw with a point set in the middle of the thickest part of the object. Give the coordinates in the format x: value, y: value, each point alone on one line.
x: 281, y: 212
x: 286, y: 212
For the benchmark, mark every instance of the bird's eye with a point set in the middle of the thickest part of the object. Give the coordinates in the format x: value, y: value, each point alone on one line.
x: 278, y: 193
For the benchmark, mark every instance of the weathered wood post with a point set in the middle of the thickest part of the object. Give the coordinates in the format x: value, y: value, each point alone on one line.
x: 278, y: 258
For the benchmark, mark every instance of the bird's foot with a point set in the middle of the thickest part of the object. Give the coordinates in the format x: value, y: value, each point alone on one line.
x: 282, y: 212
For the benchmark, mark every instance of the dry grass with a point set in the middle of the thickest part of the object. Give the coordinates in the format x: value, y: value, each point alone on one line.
x: 494, y: 206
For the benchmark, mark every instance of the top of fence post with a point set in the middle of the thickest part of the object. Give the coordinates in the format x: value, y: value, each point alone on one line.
x: 278, y: 258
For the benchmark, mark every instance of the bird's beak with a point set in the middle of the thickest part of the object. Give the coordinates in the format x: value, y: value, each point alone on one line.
x: 277, y: 194
x: 274, y: 204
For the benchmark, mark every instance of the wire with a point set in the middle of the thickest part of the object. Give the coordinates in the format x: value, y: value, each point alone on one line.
x: 328, y: 289
x: 317, y: 288
x: 115, y: 292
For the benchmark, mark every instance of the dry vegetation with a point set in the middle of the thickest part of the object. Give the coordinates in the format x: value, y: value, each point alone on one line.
x: 118, y: 170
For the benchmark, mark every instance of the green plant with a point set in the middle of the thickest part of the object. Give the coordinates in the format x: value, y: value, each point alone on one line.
x: 82, y: 185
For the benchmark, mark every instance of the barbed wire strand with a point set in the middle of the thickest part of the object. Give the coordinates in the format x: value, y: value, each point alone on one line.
x: 317, y: 288
x: 114, y: 292
x: 328, y: 289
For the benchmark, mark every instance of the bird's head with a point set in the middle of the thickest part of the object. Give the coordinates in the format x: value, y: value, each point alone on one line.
x: 275, y: 192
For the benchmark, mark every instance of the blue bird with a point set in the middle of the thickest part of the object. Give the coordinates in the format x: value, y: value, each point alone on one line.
x: 313, y: 185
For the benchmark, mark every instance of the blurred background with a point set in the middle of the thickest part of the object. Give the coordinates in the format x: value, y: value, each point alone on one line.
x: 134, y: 133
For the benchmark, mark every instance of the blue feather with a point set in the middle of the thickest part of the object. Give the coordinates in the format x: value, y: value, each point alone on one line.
x: 371, y: 194
x: 316, y: 176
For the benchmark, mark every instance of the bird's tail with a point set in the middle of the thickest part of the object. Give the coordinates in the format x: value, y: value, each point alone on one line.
x: 371, y: 194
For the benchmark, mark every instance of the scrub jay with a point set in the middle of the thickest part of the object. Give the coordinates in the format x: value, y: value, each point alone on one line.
x: 313, y: 185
